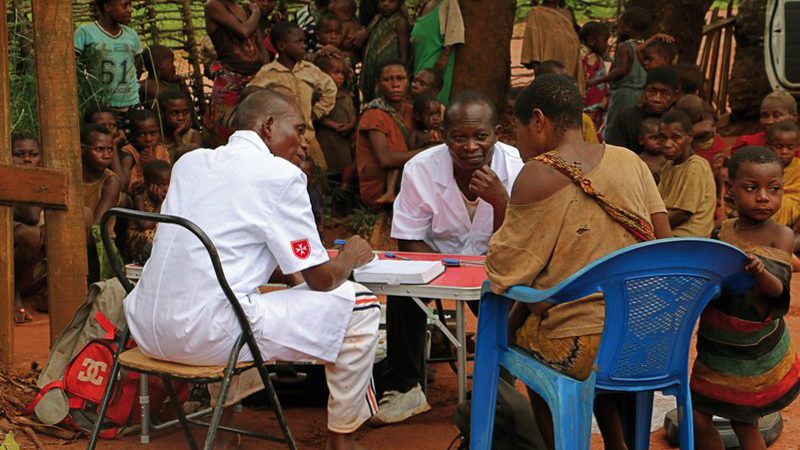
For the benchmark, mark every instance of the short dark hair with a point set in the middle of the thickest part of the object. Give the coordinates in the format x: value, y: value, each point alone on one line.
x: 438, y: 80
x: 153, y: 168
x: 281, y: 31
x: 328, y: 17
x: 390, y: 62
x: 466, y: 98
x: 650, y: 122
x: 690, y: 77
x: 324, y: 61
x: 514, y: 92
x: 638, y: 18
x: 664, y: 75
x: 663, y: 48
x: 679, y: 117
x: 593, y: 29
x: 751, y: 154
x: 549, y: 66
x: 693, y: 106
x: 95, y: 108
x: 137, y: 116
x: 23, y: 137
x: 152, y: 54
x: 171, y: 94
x: 783, y: 127
x: 422, y: 101
x: 557, y: 97
x: 89, y: 128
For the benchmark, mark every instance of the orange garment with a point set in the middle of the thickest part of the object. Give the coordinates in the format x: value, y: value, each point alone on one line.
x: 371, y: 177
x: 137, y: 174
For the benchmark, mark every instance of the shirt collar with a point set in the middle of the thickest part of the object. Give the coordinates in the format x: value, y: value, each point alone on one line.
x: 278, y: 67
x: 251, y: 137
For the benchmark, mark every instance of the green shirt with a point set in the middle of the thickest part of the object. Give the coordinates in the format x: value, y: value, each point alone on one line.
x: 111, y: 59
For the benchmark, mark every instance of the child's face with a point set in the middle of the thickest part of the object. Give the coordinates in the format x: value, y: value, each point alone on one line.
x: 145, y: 135
x: 658, y: 98
x: 176, y: 113
x: 431, y: 117
x: 704, y: 131
x: 330, y: 33
x: 387, y: 7
x: 757, y: 190
x: 97, y: 153
x: 294, y: 46
x: 343, y: 9
x: 335, y: 70
x: 158, y: 186
x: 652, y: 59
x: 165, y: 66
x: 266, y: 6
x: 651, y: 138
x: 676, y: 141
x: 107, y: 120
x: 423, y: 84
x: 598, y: 43
x: 25, y: 152
x: 785, y: 144
x: 773, y: 111
x: 120, y: 11
x: 392, y: 83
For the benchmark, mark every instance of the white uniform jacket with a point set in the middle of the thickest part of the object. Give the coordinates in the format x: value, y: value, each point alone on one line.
x: 430, y: 207
x: 255, y: 208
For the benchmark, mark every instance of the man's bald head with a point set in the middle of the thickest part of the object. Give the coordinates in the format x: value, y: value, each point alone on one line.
x: 256, y: 107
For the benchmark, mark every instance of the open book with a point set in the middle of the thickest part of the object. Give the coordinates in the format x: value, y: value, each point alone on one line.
x: 398, y: 272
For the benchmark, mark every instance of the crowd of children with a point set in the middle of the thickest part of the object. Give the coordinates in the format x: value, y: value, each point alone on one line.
x: 367, y: 114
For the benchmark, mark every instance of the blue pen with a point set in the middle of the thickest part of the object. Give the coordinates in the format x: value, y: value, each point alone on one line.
x: 453, y: 262
x: 393, y: 256
x: 339, y: 242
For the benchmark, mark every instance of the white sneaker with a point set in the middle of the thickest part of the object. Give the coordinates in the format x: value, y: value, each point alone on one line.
x: 396, y: 407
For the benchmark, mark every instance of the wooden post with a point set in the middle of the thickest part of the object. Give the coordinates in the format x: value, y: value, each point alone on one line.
x: 6, y: 216
x: 192, y: 50
x: 59, y: 125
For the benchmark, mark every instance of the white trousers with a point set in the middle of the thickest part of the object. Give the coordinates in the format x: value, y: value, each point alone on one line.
x: 352, y: 395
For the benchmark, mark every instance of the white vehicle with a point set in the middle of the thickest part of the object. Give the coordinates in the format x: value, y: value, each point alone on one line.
x: 782, y: 44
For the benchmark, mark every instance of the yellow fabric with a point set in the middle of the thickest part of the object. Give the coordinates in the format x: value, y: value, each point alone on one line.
x: 451, y: 23
x: 589, y: 130
x: 789, y: 212
x: 690, y: 187
x: 550, y: 35
x: 542, y: 243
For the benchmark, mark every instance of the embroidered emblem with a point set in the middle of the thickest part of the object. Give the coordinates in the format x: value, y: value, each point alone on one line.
x: 301, y: 248
x: 92, y: 372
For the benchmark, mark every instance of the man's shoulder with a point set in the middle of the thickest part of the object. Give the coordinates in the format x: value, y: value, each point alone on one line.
x: 425, y: 159
x: 509, y: 152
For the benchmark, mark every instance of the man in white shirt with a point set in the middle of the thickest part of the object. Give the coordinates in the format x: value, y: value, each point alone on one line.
x: 250, y: 197
x: 452, y: 198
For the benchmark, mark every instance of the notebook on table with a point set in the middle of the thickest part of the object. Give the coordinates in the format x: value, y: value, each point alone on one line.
x: 398, y: 272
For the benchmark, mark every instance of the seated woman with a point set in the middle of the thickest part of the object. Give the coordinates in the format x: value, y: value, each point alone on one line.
x: 552, y: 228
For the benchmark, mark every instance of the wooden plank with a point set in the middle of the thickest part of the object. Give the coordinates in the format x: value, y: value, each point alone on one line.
x: 6, y: 216
x: 42, y: 187
x: 58, y: 119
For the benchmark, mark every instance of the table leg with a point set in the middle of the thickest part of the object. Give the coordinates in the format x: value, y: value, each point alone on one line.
x: 435, y: 319
x: 144, y: 402
x: 461, y: 364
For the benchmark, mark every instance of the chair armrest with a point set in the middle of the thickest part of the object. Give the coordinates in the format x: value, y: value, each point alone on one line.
x: 524, y: 294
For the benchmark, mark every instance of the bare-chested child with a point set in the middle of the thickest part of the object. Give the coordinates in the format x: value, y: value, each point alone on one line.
x: 427, y: 122
x: 176, y: 123
x: 141, y: 232
x: 145, y: 146
x: 650, y: 138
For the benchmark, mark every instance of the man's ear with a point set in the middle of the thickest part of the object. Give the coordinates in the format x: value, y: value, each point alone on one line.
x: 267, y: 127
x: 538, y: 119
x: 497, y: 130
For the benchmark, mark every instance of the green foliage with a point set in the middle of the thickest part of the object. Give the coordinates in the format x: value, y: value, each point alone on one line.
x: 9, y: 443
x: 363, y: 221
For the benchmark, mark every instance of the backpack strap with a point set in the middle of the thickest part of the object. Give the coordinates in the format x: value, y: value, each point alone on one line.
x: 47, y: 388
x: 633, y: 224
x: 111, y: 330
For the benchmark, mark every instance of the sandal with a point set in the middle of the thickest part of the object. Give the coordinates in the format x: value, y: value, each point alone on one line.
x: 22, y: 316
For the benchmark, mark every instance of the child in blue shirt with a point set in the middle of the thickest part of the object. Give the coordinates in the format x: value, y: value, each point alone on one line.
x: 108, y: 48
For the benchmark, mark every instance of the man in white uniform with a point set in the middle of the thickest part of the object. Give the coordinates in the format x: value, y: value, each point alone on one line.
x: 452, y: 198
x: 250, y: 197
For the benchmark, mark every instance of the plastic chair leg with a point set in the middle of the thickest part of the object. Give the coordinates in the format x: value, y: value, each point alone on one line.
x: 644, y: 413
x: 173, y: 398
x: 572, y: 421
x: 487, y: 371
x: 685, y: 420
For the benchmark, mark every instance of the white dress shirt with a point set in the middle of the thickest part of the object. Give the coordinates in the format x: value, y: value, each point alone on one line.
x: 430, y: 206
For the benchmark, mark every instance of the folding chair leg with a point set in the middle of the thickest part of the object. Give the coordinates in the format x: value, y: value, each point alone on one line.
x: 112, y: 381
x: 276, y: 407
x: 173, y: 397
x: 217, y: 416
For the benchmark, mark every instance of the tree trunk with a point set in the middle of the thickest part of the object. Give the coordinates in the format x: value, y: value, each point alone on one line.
x: 749, y: 82
x: 484, y: 62
x: 683, y: 19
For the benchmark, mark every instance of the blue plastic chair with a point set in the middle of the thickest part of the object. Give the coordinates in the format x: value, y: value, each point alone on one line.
x: 654, y: 293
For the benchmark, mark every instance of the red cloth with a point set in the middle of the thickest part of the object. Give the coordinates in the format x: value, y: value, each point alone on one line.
x: 708, y: 152
x: 759, y: 139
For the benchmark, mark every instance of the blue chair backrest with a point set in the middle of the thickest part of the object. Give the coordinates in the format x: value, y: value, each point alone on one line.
x: 654, y: 293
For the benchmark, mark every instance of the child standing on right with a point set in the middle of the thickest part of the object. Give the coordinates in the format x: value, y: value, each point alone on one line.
x: 627, y: 75
x: 784, y: 139
x: 741, y: 373
x: 594, y: 47
x: 335, y: 131
x: 109, y: 49
x: 687, y: 183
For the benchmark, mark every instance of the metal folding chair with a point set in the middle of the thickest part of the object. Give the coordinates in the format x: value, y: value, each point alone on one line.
x: 134, y: 360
